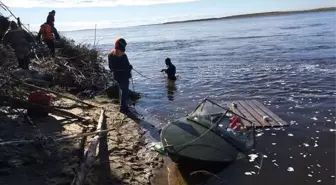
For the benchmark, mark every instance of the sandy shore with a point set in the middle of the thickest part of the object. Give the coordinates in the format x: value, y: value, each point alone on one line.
x: 124, y: 156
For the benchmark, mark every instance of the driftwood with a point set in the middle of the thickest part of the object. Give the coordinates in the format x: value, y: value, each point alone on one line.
x: 50, y: 91
x: 90, y: 156
x: 54, y: 140
x: 21, y: 104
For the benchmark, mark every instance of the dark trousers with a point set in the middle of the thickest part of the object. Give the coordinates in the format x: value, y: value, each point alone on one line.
x: 24, y: 62
x: 51, y: 46
x: 123, y: 95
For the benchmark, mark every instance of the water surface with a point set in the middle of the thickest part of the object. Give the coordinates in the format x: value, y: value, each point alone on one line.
x: 287, y: 62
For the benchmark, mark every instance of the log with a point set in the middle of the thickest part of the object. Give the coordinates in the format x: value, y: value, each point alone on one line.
x: 56, y: 140
x: 113, y: 93
x: 50, y: 91
x: 21, y: 104
x: 90, y: 156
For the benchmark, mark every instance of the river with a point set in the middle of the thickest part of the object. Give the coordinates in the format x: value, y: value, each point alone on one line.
x: 288, y: 62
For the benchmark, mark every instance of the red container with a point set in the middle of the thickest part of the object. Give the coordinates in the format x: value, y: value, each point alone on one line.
x: 39, y: 98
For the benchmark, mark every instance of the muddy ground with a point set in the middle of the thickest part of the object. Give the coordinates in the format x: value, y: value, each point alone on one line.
x: 124, y: 155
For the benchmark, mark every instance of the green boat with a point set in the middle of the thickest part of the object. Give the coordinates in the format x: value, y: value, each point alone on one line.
x: 208, y: 135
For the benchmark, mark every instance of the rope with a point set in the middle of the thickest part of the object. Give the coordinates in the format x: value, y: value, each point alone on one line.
x: 184, y: 144
x: 141, y: 74
x: 132, y: 84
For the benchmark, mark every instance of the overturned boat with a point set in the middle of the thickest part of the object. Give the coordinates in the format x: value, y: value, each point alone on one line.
x: 211, y: 133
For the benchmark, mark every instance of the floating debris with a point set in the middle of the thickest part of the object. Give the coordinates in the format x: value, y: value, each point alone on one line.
x: 265, y: 156
x: 317, y: 131
x: 316, y: 145
x: 318, y: 165
x: 253, y: 157
x: 256, y: 166
x: 267, y: 129
x: 273, y: 144
x: 273, y: 161
x: 306, y: 144
x: 318, y: 181
x: 290, y: 169
x: 253, y: 172
x: 310, y: 175
x: 314, y: 118
x: 333, y: 176
x: 328, y: 120
x: 291, y: 157
x: 273, y: 134
x: 304, y: 156
x: 332, y: 130
x: 290, y: 135
x: 275, y: 164
x: 260, y: 134
x: 248, y: 173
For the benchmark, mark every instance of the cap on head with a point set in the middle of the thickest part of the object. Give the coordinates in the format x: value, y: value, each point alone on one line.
x: 168, y: 61
x: 120, y: 44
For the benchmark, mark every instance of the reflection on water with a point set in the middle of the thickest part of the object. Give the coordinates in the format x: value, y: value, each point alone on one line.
x: 171, y: 88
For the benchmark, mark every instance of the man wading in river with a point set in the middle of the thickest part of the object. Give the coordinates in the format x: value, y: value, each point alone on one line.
x: 121, y: 68
x: 171, y: 70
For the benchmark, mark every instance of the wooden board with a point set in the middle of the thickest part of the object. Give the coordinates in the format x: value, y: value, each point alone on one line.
x: 255, y: 111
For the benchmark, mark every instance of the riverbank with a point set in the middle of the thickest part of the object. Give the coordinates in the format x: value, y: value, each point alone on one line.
x: 262, y: 14
x: 82, y: 130
x: 123, y: 158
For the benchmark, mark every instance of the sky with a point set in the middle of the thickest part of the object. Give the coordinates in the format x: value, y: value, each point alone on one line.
x: 84, y: 14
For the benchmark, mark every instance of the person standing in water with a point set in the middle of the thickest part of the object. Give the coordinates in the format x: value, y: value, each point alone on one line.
x: 170, y: 71
x: 121, y: 68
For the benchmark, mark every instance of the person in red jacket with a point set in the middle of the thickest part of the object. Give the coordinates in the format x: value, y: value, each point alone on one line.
x: 49, y: 35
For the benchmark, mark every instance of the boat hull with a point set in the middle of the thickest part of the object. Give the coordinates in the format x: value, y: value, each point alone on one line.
x: 185, y: 139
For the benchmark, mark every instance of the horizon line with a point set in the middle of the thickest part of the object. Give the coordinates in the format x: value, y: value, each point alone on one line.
x: 237, y: 16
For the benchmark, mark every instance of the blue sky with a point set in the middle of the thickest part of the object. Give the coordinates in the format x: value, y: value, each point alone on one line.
x: 84, y: 14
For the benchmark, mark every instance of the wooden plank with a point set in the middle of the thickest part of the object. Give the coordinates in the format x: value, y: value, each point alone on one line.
x: 248, y: 116
x: 238, y: 112
x: 90, y: 156
x: 251, y: 113
x: 262, y: 113
x: 257, y: 112
x: 270, y: 113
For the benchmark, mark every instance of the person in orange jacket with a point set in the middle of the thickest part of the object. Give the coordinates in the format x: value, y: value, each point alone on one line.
x: 49, y: 35
x: 121, y: 68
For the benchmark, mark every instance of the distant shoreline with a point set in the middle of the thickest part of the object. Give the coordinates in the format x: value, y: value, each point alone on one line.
x: 227, y: 17
x: 252, y: 15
